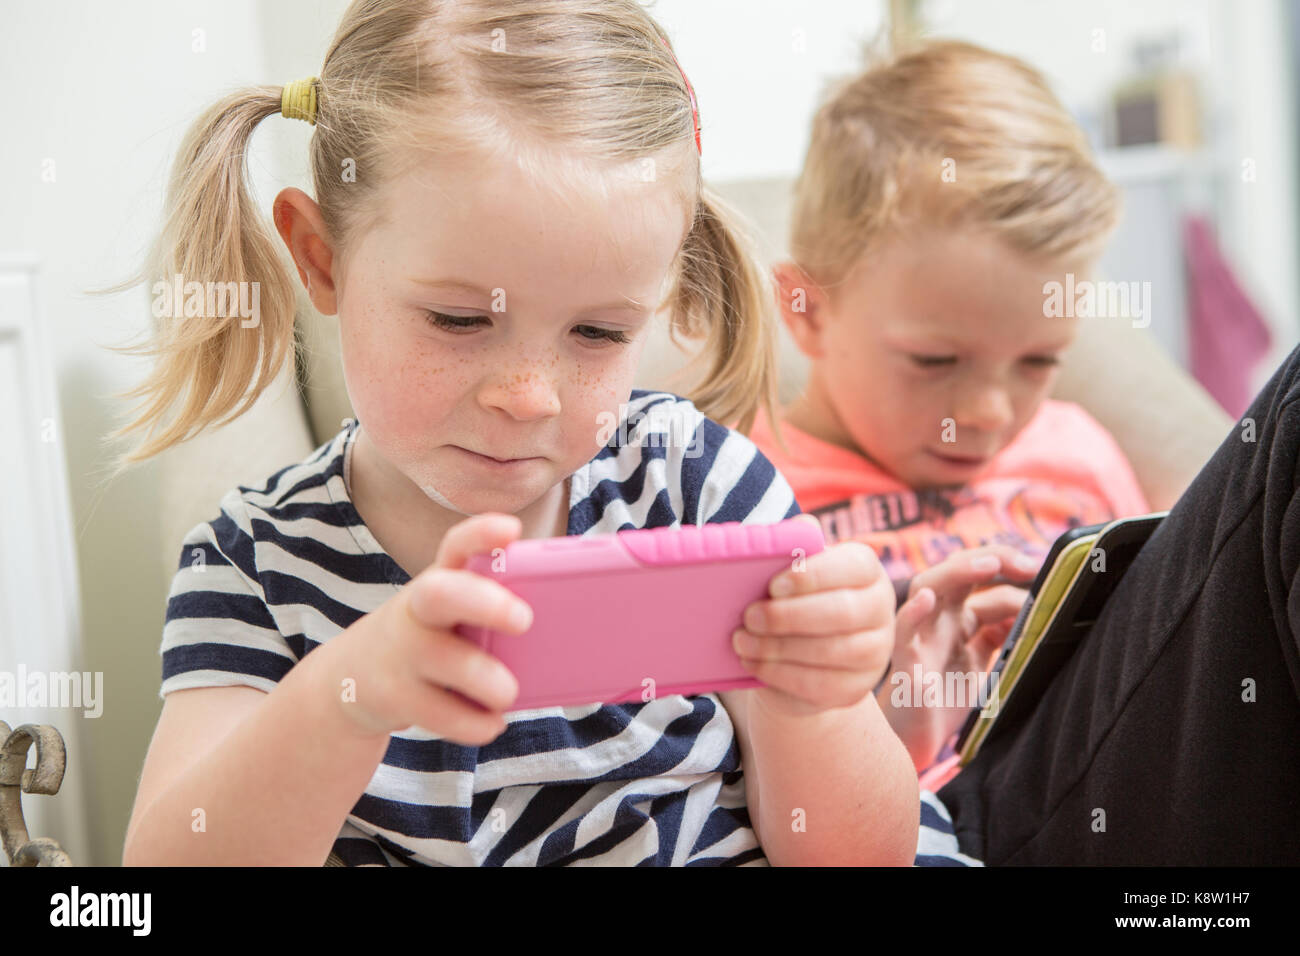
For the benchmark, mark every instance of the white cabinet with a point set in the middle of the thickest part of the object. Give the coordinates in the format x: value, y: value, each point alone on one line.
x: 1161, y: 187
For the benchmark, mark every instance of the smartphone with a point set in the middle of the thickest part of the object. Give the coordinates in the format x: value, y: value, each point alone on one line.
x: 1111, y: 554
x: 637, y: 614
x: 1052, y: 564
x: 1082, y: 570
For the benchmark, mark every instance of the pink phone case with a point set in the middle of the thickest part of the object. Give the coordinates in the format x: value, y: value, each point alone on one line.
x: 613, y: 612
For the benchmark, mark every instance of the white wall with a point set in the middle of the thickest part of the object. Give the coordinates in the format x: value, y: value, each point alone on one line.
x: 758, y: 67
x: 105, y: 91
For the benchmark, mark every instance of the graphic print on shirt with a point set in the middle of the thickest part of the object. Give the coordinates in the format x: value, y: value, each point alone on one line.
x: 914, y: 530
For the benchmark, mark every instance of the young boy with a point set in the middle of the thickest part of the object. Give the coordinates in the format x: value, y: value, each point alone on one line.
x: 942, y: 191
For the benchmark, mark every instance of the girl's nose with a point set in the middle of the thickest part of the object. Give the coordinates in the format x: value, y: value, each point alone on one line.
x: 524, y: 392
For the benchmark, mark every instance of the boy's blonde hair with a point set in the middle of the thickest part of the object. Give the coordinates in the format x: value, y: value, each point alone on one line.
x: 567, y: 88
x: 944, y: 133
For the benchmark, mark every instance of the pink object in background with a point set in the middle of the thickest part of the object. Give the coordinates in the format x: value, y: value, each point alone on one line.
x: 1227, y: 336
x: 937, y: 774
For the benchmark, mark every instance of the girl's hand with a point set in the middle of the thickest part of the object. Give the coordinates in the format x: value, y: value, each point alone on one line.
x: 946, y: 628
x: 407, y: 665
x: 827, y: 643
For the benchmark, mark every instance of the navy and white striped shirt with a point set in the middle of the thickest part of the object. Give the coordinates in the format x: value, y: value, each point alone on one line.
x: 287, y: 566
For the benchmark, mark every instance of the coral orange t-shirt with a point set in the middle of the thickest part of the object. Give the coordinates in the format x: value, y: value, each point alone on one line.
x: 1062, y: 470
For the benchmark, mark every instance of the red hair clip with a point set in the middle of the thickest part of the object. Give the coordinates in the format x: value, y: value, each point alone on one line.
x: 695, y: 110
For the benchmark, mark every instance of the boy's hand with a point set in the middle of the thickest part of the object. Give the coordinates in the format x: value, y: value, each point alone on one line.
x: 827, y: 643
x: 947, y: 627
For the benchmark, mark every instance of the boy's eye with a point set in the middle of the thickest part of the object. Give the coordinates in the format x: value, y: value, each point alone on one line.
x: 934, y: 361
x: 1042, y: 361
x: 452, y: 323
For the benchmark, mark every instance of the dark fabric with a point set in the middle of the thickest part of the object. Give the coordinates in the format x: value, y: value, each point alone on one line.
x: 1147, y: 722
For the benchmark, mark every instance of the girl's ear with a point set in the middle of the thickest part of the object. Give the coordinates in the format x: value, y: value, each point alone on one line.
x: 300, y: 224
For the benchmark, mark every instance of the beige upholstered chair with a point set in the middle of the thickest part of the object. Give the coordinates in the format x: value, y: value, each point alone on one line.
x: 1166, y: 424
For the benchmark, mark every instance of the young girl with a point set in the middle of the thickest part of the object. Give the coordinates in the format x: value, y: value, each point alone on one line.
x: 505, y: 195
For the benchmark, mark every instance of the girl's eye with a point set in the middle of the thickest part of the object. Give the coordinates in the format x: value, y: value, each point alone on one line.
x: 456, y: 322
x: 451, y: 322
x: 934, y: 361
x: 610, y: 335
x: 1043, y: 361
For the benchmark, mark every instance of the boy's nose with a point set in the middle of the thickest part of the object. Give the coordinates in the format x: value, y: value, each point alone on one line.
x: 988, y: 409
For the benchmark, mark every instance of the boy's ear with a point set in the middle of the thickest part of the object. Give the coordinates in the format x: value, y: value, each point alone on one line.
x: 802, y: 305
